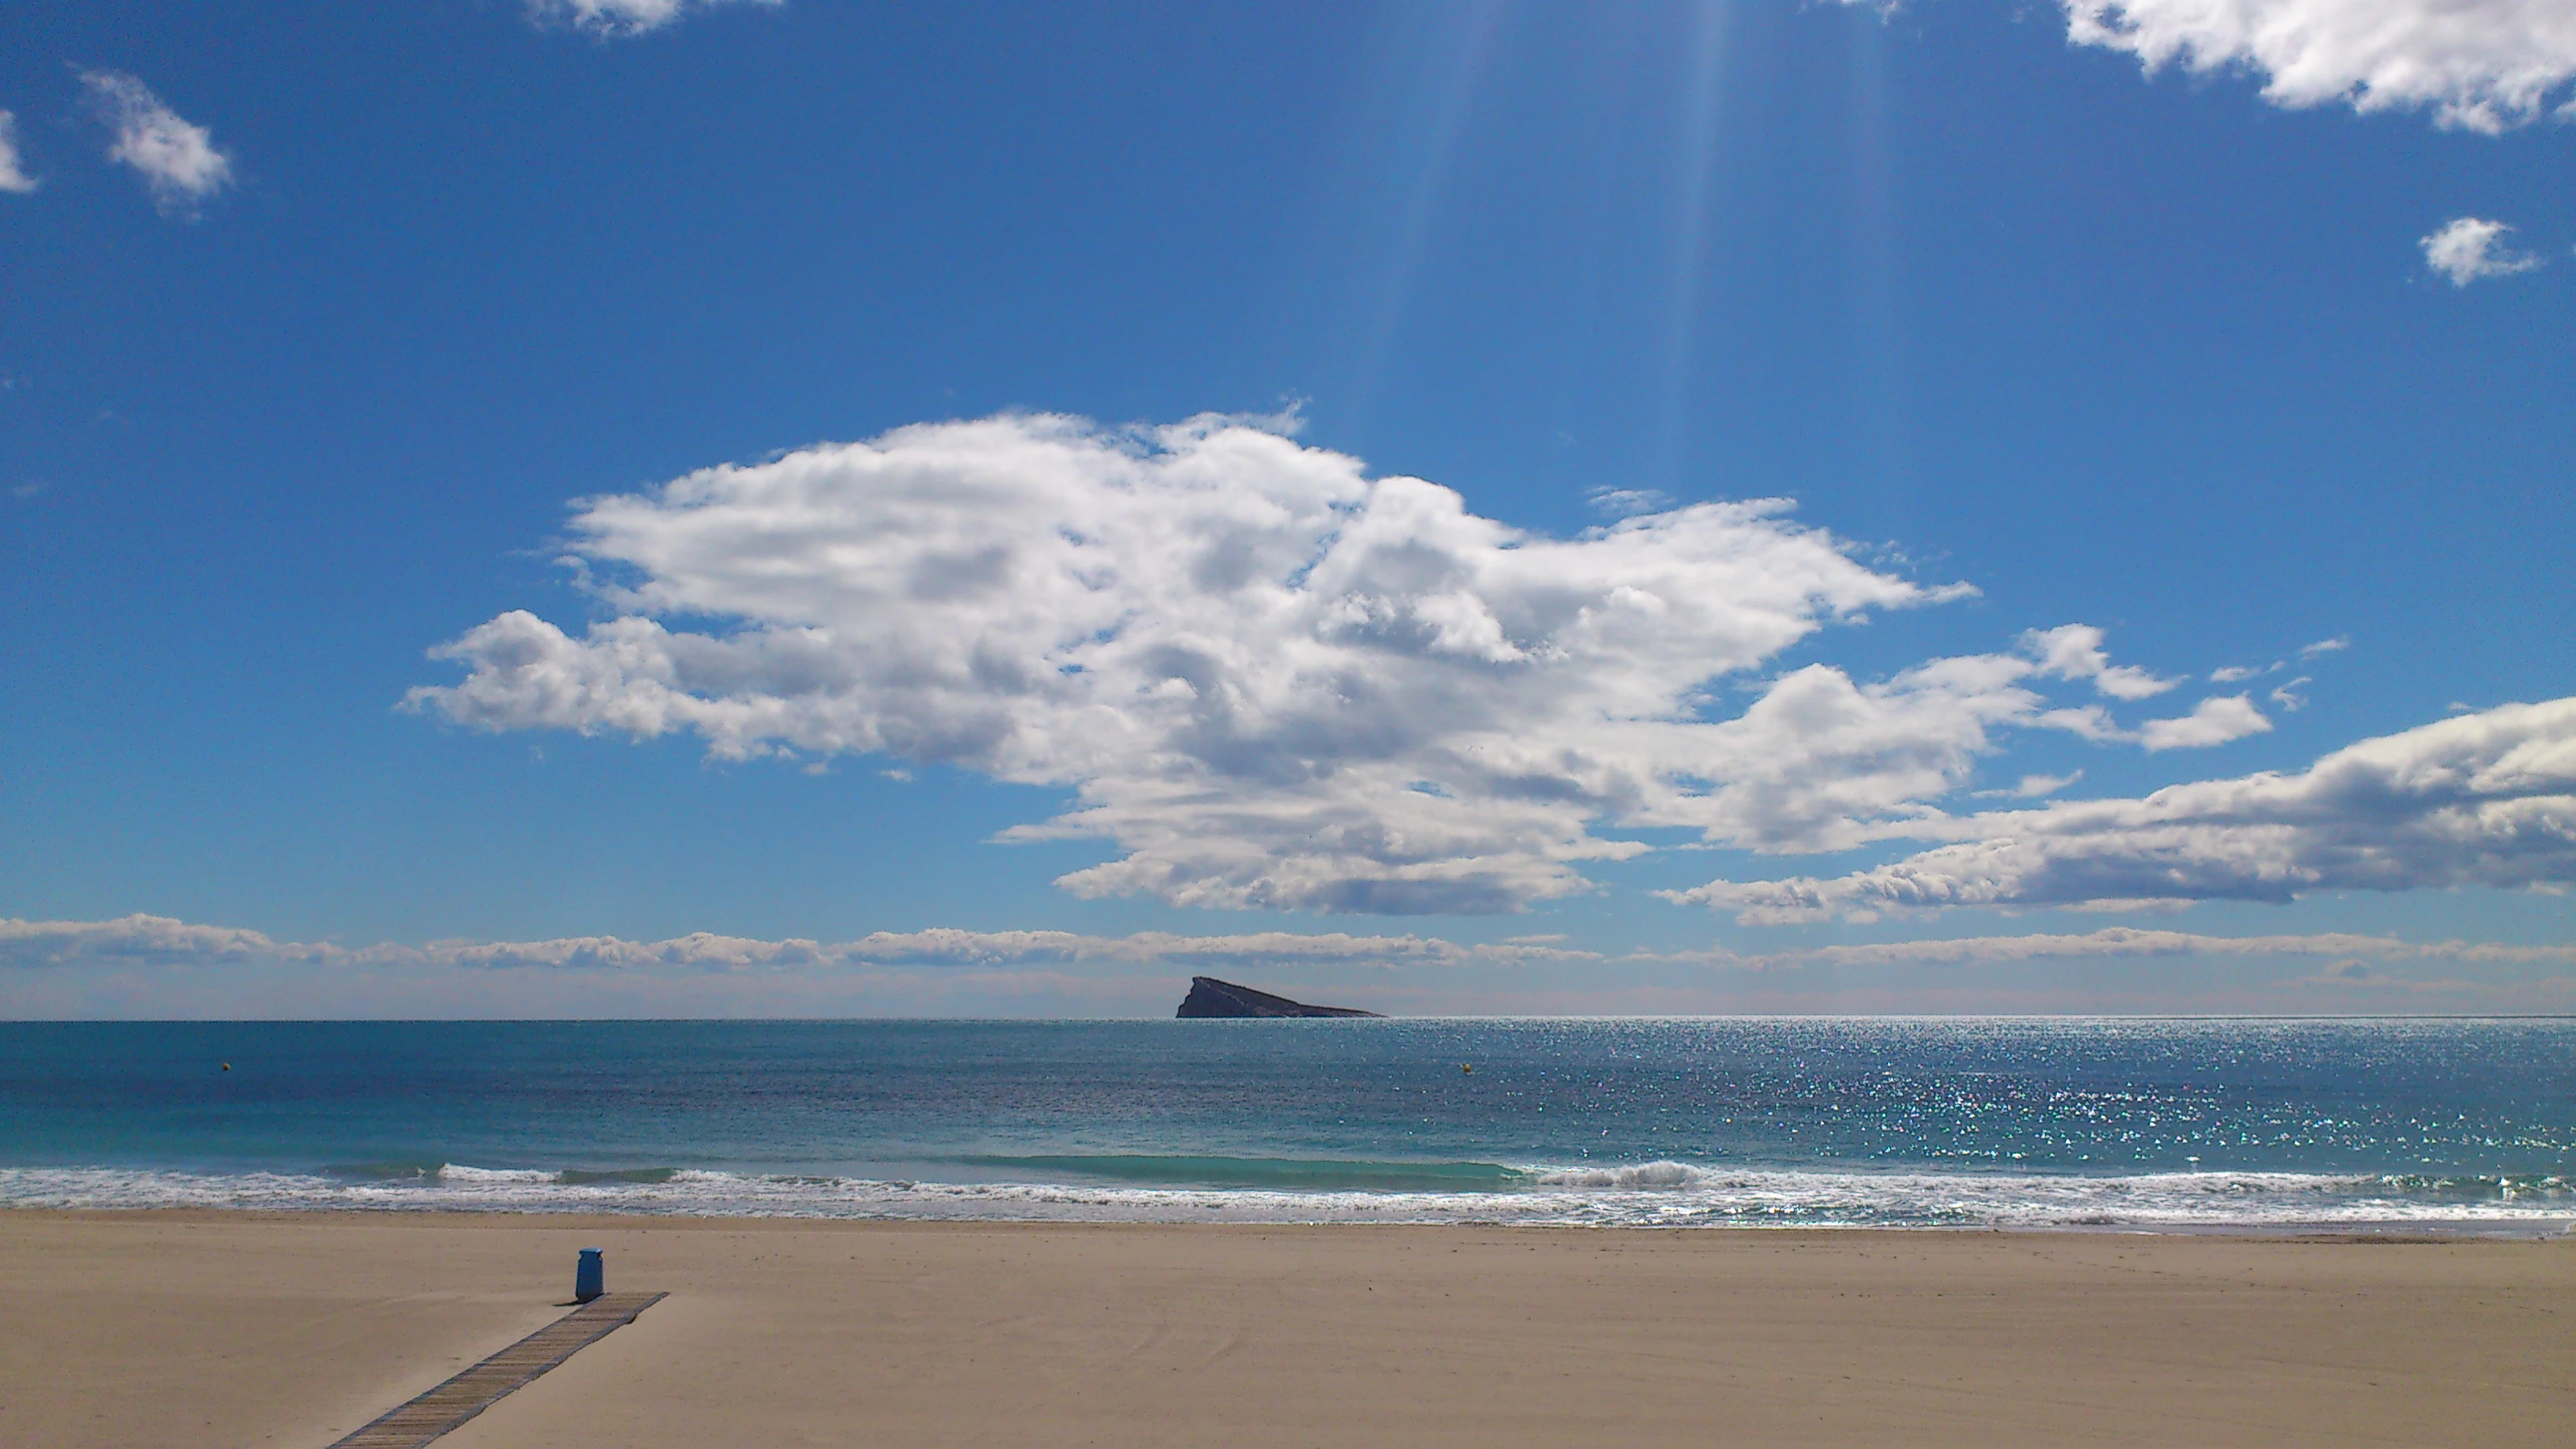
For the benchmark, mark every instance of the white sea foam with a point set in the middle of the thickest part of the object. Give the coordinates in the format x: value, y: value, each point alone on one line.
x: 1643, y: 1174
x: 492, y: 1177
x: 1657, y: 1194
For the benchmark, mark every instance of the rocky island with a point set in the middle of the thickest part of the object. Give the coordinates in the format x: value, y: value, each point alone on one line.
x: 1210, y: 997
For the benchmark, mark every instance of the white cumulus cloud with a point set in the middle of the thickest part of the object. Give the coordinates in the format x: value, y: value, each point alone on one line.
x: 2486, y: 799
x: 2074, y: 651
x: 2484, y: 65
x: 13, y: 171
x: 2468, y: 250
x: 1272, y: 680
x: 622, y: 17
x: 2213, y: 721
x: 175, y: 156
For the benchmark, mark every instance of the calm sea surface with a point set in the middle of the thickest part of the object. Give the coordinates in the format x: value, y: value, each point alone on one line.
x: 2015, y: 1122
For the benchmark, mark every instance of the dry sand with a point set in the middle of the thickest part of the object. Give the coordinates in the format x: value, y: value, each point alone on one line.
x: 226, y: 1328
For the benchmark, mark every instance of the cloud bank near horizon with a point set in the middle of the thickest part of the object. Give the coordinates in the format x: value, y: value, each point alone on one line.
x: 2483, y: 799
x: 1274, y: 681
x: 143, y: 965
x: 165, y: 940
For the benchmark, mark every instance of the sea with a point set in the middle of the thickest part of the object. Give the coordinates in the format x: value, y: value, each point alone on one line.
x: 2446, y: 1126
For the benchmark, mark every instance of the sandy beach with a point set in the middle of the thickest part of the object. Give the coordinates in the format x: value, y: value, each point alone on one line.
x: 204, y: 1328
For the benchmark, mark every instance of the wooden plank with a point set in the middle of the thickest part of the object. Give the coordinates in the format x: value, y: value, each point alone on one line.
x: 478, y: 1388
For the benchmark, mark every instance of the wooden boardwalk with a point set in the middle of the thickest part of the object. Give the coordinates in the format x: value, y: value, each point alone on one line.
x: 479, y: 1387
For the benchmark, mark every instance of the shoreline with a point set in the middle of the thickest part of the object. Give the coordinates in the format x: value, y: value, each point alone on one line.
x: 2395, y: 1230
x: 233, y: 1326
x: 1653, y: 1194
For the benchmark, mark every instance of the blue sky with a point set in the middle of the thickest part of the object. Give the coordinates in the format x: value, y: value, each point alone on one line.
x: 2111, y: 357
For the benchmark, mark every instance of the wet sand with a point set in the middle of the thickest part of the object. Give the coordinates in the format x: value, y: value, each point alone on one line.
x: 213, y: 1328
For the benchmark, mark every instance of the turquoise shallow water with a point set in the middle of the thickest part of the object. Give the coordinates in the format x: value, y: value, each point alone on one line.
x: 2097, y: 1123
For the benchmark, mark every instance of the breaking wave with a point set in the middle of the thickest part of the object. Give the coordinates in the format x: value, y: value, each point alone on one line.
x: 1147, y: 1189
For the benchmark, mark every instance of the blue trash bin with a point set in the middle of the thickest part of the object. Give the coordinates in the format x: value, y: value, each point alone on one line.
x: 590, y: 1277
